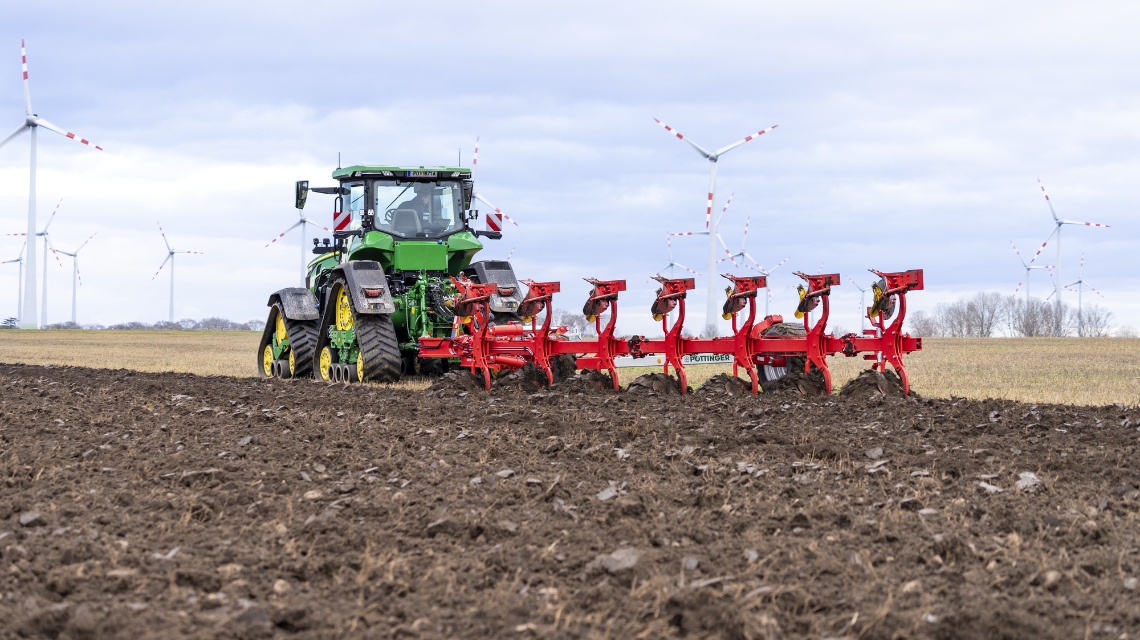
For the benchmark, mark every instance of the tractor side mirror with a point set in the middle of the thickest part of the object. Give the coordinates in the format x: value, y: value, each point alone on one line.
x: 468, y: 190
x: 302, y: 193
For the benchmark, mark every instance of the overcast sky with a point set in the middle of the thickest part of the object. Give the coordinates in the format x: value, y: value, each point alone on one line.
x: 911, y: 135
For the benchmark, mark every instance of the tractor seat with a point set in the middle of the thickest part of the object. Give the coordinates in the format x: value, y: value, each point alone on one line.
x: 406, y: 222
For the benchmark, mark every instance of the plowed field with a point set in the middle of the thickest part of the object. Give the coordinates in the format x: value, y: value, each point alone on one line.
x: 148, y: 505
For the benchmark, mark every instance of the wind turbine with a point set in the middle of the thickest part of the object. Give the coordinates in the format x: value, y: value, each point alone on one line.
x: 300, y: 223
x: 20, y: 286
x: 673, y: 263
x: 728, y: 254
x: 711, y: 312
x: 744, y: 255
x: 494, y: 222
x: 47, y: 247
x: 1057, y: 230
x: 32, y: 122
x: 1081, y: 284
x: 170, y: 258
x: 1029, y: 267
x: 74, y: 273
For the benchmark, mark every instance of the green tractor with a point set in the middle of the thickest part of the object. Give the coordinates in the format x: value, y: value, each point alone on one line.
x: 384, y: 279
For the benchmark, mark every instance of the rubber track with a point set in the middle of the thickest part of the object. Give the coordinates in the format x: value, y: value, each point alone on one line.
x: 303, y: 341
x: 376, y: 337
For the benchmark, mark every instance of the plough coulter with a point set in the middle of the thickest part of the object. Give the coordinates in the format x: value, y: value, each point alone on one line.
x: 485, y: 347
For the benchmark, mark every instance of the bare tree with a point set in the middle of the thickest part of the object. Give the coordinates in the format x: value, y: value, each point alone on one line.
x: 1094, y: 321
x: 924, y: 324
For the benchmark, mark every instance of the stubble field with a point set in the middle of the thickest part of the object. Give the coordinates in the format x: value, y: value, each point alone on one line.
x: 139, y: 504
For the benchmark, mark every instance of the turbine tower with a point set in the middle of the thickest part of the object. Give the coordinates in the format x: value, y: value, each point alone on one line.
x: 1057, y: 230
x: 712, y: 313
x: 300, y: 223
x: 170, y: 258
x: 74, y: 273
x: 862, y: 307
x: 20, y: 281
x: 32, y: 123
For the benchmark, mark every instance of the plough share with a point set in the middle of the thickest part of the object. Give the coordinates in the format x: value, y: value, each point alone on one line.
x: 485, y: 348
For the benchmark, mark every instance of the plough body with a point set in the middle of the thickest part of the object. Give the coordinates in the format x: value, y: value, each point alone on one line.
x: 485, y: 348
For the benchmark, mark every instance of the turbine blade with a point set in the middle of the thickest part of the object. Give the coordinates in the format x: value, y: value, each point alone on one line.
x: 727, y: 253
x: 1049, y: 202
x: 85, y: 242
x: 1087, y: 224
x: 497, y: 210
x: 1093, y: 290
x: 743, y: 238
x: 724, y: 211
x: 746, y: 139
x: 712, y: 194
x: 685, y: 268
x: 282, y: 234
x: 22, y: 128
x: 1019, y: 255
x: 1017, y: 289
x: 475, y: 156
x: 307, y: 221
x: 778, y: 265
x: 27, y: 90
x: 52, y: 127
x: 75, y: 265
x: 164, y: 241
x: 1041, y: 248
x: 52, y: 216
x: 54, y: 252
x: 168, y: 257
x: 701, y: 150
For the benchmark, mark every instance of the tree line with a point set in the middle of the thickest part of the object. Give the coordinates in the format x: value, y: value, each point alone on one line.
x: 206, y: 324
x: 986, y: 314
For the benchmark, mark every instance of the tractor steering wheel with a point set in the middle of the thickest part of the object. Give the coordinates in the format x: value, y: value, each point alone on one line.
x: 388, y: 216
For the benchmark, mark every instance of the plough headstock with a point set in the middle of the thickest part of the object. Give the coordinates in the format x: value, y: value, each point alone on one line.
x: 472, y: 296
x: 668, y: 294
x: 743, y: 288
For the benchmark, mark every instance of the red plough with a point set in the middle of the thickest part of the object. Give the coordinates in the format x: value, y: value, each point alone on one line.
x: 485, y: 348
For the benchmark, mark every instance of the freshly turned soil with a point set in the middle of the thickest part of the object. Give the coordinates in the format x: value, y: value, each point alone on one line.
x: 145, y: 505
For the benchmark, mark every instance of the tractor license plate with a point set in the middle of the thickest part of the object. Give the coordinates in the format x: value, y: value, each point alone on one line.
x: 421, y: 174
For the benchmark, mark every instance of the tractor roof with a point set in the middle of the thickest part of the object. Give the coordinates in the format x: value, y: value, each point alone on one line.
x: 394, y: 171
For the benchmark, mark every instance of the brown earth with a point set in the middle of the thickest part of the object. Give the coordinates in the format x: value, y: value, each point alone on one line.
x: 164, y: 505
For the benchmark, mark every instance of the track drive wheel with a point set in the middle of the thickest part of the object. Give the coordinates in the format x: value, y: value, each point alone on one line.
x: 379, y: 358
